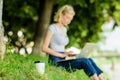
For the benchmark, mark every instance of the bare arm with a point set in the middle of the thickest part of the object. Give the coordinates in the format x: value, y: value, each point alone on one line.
x: 45, y: 47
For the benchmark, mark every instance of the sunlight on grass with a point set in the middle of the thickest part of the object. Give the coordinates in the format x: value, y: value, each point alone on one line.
x: 17, y: 67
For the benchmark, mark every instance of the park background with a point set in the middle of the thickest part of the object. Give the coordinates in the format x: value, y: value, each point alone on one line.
x: 25, y: 23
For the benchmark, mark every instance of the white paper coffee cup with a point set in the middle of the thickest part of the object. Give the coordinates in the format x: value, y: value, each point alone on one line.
x: 40, y: 66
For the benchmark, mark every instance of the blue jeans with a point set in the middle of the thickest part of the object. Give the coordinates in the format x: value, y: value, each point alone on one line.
x: 87, y: 64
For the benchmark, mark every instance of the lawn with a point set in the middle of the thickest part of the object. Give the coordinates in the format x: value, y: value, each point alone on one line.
x: 18, y: 67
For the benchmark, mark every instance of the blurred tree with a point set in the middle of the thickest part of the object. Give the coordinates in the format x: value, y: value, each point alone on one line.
x: 20, y: 14
x: 87, y: 22
x: 45, y: 10
x: 2, y: 42
x: 85, y: 27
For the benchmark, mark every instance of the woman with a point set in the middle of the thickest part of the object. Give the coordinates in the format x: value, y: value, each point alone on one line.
x: 56, y: 39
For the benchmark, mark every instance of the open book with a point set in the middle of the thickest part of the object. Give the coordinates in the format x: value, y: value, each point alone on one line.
x: 85, y: 52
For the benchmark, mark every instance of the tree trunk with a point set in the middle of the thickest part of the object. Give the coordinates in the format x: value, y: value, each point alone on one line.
x: 2, y: 43
x: 45, y: 10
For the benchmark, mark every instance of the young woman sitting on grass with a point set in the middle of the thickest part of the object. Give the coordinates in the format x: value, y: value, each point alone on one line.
x: 56, y: 39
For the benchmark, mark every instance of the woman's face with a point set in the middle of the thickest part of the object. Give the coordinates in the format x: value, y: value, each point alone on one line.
x: 66, y: 19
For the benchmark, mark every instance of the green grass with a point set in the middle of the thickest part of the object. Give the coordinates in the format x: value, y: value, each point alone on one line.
x: 17, y: 67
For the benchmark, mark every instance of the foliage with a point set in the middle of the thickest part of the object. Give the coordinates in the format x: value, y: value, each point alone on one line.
x: 20, y: 15
x: 85, y: 27
x: 18, y: 67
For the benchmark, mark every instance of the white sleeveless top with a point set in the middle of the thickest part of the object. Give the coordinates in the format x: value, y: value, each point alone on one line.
x: 58, y: 41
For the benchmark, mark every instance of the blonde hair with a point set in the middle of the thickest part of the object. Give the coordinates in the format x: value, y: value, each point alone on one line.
x: 66, y: 9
